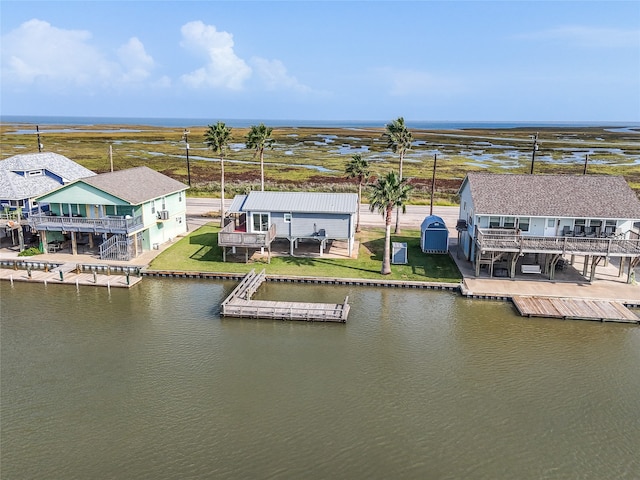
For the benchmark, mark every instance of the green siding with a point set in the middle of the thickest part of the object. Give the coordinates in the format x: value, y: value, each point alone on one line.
x: 81, y: 193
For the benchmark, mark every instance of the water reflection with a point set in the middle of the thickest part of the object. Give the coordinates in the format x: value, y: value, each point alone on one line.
x: 152, y: 383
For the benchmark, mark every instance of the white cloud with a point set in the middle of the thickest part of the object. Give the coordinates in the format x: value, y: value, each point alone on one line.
x: 39, y: 52
x: 135, y: 59
x: 58, y: 60
x: 588, y: 36
x: 275, y: 76
x: 223, y: 68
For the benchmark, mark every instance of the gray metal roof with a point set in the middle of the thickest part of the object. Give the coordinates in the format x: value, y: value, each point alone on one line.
x: 16, y: 184
x: 301, y: 202
x: 577, y: 196
x: 136, y: 185
x: 236, y: 204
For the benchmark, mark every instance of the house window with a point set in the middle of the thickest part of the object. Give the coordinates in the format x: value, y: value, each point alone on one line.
x: 509, y: 222
x: 287, y: 218
x: 179, y: 196
x: 163, y: 204
x: 260, y: 222
x: 595, y: 227
x: 551, y: 222
x: 610, y: 227
x: 494, y: 222
x: 523, y: 223
x: 579, y: 226
x: 153, y: 207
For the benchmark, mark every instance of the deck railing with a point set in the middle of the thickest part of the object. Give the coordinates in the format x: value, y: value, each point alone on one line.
x: 117, y: 247
x: 229, y: 237
x: 11, y: 215
x: 110, y: 224
x: 507, y: 240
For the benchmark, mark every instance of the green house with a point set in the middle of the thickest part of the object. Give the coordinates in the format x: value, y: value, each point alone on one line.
x: 115, y: 215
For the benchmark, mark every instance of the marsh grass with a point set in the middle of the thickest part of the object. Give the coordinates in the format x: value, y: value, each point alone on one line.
x: 314, y: 159
x: 199, y: 252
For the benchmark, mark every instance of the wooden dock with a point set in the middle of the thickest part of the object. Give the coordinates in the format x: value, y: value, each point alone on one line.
x: 574, y: 309
x: 240, y: 304
x: 66, y: 276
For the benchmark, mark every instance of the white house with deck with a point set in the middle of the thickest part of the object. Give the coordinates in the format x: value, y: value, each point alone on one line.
x: 256, y: 219
x: 504, y: 217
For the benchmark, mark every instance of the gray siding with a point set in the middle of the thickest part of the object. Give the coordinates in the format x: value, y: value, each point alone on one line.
x: 307, y: 224
x: 336, y: 226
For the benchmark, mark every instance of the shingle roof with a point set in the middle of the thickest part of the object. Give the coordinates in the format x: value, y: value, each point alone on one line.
x: 588, y: 196
x: 301, y: 202
x: 16, y: 186
x: 136, y: 185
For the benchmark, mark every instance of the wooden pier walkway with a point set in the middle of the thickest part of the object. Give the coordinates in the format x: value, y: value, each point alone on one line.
x: 65, y: 276
x: 239, y: 304
x: 574, y: 308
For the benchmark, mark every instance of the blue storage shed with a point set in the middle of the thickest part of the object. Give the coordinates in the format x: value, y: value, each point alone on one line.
x: 434, y: 235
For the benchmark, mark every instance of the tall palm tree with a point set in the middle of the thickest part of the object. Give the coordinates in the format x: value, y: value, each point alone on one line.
x: 217, y: 137
x: 358, y: 168
x: 399, y: 140
x: 259, y: 138
x: 389, y: 192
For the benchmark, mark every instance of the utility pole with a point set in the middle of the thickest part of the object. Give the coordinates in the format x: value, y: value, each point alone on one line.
x: 433, y: 183
x: 533, y: 153
x: 185, y: 137
x: 38, y: 134
x: 586, y: 161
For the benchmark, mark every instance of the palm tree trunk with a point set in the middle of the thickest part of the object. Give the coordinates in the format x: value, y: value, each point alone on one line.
x: 222, y: 192
x: 386, y: 261
x: 397, y: 230
x: 262, y: 170
x: 359, y: 201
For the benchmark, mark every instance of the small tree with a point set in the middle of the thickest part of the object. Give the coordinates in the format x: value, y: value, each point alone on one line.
x: 358, y: 168
x: 259, y: 138
x: 217, y: 137
x: 399, y: 140
x: 389, y: 192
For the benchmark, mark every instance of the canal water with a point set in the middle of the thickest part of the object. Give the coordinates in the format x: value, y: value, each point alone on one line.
x: 150, y: 383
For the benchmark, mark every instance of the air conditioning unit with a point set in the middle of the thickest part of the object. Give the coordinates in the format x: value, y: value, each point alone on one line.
x: 163, y: 215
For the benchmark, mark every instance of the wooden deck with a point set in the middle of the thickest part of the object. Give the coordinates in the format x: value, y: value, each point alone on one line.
x: 69, y: 277
x: 574, y: 308
x: 239, y: 304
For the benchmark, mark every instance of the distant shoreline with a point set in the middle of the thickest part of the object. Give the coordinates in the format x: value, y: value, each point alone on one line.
x: 245, y: 123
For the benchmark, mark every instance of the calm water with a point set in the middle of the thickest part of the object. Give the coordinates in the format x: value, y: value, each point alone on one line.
x: 243, y: 123
x: 151, y: 384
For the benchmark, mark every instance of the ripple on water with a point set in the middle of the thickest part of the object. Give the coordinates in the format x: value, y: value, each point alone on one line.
x: 151, y: 383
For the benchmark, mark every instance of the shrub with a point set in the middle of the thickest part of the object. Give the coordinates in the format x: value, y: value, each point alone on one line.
x: 29, y: 252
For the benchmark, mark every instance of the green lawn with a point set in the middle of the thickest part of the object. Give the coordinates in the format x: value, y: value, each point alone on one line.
x: 199, y: 252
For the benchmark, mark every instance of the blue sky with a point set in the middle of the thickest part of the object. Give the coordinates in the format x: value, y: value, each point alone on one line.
x: 323, y: 60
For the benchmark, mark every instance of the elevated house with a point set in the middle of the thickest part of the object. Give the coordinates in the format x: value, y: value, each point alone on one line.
x: 27, y: 176
x: 256, y: 219
x: 121, y: 213
x: 534, y: 221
